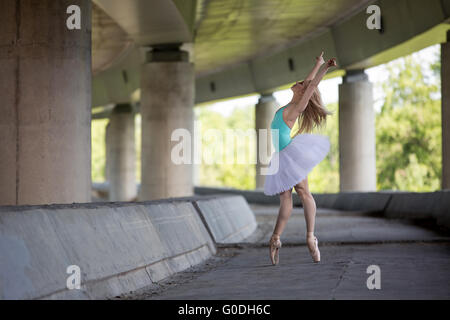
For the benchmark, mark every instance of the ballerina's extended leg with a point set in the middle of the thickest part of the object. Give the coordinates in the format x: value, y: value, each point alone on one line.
x: 283, y: 216
x: 309, y: 208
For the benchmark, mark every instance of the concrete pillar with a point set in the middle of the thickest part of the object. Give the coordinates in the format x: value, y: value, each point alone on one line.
x: 45, y: 107
x: 121, y: 154
x: 264, y: 112
x: 167, y: 101
x: 445, y: 105
x: 357, y: 153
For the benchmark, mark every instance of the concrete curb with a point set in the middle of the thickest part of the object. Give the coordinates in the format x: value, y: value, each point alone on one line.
x: 119, y: 247
x: 441, y: 211
x: 371, y: 201
x: 390, y: 203
x: 414, y: 205
x: 252, y: 196
x: 229, y: 219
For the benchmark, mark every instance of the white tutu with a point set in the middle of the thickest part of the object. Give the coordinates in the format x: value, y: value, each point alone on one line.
x: 293, y: 163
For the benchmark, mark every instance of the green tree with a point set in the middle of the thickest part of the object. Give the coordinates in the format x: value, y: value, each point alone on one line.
x: 234, y: 175
x: 98, y: 155
x: 408, y: 128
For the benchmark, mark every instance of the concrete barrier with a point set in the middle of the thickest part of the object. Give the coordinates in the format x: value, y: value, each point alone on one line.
x: 252, y: 196
x: 367, y: 201
x: 391, y: 203
x: 325, y: 200
x: 229, y: 219
x: 119, y: 247
x: 412, y: 205
x: 441, y: 211
x: 100, y: 190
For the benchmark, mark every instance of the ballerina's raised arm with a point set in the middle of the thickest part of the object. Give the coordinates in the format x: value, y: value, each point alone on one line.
x: 303, y: 90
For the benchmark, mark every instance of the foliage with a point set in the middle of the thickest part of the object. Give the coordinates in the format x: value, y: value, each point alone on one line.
x: 234, y: 174
x: 98, y: 128
x: 408, y: 128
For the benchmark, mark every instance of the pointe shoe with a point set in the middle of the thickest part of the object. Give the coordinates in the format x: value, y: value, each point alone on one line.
x: 316, y: 253
x: 275, y: 245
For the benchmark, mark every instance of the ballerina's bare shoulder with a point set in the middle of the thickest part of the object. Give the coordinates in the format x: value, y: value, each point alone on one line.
x: 288, y: 116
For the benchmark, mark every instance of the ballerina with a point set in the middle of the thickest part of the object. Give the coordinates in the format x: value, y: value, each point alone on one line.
x: 295, y: 158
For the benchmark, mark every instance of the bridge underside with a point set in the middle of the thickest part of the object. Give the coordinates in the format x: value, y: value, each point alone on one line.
x: 244, y: 48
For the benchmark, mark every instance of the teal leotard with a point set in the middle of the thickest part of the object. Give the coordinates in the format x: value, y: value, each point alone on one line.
x: 284, y: 132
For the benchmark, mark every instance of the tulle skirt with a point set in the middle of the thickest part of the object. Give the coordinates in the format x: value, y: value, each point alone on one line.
x: 293, y: 163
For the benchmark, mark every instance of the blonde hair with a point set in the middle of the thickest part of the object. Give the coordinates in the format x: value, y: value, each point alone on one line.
x: 315, y: 113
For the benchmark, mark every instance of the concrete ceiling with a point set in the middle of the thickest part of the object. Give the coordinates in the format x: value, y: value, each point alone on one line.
x: 242, y: 47
x: 109, y: 42
x: 225, y: 32
x: 150, y: 22
x: 118, y: 25
x: 232, y: 31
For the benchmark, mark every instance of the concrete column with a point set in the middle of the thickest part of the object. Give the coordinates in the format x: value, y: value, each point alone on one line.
x: 45, y: 92
x: 121, y: 154
x: 264, y: 112
x: 357, y: 165
x: 167, y: 101
x: 445, y: 85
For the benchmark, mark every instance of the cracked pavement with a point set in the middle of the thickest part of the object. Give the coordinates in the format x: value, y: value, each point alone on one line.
x: 414, y: 261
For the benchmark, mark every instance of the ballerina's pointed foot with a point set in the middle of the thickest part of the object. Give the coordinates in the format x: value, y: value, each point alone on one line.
x: 315, y: 253
x: 274, y: 247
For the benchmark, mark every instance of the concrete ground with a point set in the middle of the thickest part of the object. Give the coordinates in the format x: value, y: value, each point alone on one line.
x: 414, y: 262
